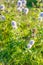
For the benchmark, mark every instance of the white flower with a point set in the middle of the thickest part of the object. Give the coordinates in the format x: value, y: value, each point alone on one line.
x: 21, y: 6
x: 29, y: 46
x: 24, y: 2
x: 3, y: 17
x: 19, y: 3
x: 19, y: 9
x: 31, y: 43
x: 14, y: 24
x: 2, y: 7
x: 26, y: 10
x: 40, y: 18
x: 41, y: 14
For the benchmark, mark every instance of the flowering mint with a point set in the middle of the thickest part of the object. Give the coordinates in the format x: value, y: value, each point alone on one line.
x: 31, y: 43
x: 2, y: 7
x: 26, y: 10
x: 24, y: 2
x: 41, y: 14
x: 21, y: 6
x: 3, y: 17
x: 14, y: 25
x: 19, y: 3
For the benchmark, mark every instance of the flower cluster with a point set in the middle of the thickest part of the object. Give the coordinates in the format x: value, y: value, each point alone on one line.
x: 31, y: 43
x: 21, y: 6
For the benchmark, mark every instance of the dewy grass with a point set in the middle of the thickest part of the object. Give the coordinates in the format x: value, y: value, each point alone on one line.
x: 14, y: 49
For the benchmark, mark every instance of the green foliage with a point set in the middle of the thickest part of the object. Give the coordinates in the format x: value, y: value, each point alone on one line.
x: 29, y: 3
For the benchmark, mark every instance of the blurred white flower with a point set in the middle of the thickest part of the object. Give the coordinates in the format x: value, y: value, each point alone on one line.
x: 26, y: 10
x: 24, y: 2
x: 14, y: 24
x: 41, y: 14
x: 40, y: 18
x: 19, y: 9
x: 31, y: 43
x: 2, y: 7
x: 3, y: 17
x: 21, y: 6
x: 19, y: 3
x: 29, y: 46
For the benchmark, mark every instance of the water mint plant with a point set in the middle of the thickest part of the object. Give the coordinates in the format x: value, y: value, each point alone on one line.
x: 21, y: 32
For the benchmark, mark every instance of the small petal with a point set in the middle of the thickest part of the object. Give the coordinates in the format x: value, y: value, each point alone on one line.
x: 31, y: 42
